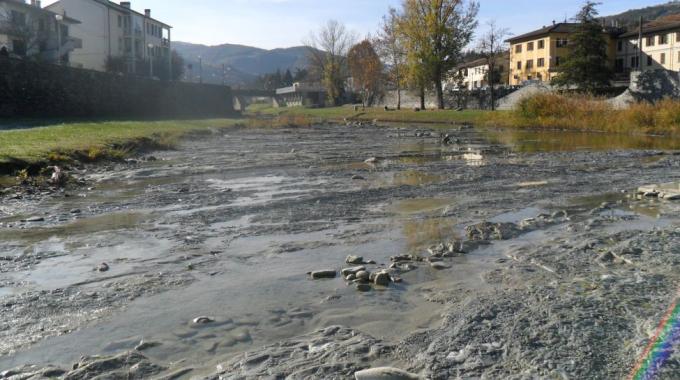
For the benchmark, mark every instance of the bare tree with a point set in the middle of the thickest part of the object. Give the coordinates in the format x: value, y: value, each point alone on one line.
x: 391, y: 49
x: 492, y: 48
x: 32, y: 33
x: 327, y: 55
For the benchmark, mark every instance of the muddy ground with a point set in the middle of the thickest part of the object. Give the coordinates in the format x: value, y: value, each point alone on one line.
x: 530, y: 257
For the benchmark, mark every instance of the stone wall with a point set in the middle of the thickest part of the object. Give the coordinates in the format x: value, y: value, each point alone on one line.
x: 38, y: 90
x: 476, y: 99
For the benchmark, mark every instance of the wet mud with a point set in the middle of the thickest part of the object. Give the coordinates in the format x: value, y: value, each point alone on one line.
x: 509, y: 254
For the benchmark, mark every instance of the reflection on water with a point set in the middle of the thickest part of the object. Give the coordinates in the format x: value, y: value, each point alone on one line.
x: 423, y: 233
x: 550, y: 141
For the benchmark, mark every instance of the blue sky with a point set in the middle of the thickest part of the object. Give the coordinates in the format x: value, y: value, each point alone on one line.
x: 283, y: 23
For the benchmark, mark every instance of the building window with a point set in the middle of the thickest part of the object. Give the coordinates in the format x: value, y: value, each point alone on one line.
x: 19, y: 47
x: 650, y: 61
x: 120, y: 21
x: 530, y: 64
x: 635, y: 62
x: 519, y: 65
x: 558, y: 60
x: 662, y: 59
x: 530, y: 46
x: 541, y: 44
x: 18, y: 18
x: 619, y: 65
x: 619, y: 46
x: 562, y: 43
x: 518, y: 48
x: 650, y: 41
x: 663, y: 39
x: 540, y: 62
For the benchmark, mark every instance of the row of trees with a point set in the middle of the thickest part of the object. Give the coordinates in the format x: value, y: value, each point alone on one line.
x: 419, y: 44
x: 277, y: 79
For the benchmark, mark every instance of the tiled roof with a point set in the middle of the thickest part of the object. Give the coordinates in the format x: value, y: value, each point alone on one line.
x: 562, y: 27
x: 659, y: 25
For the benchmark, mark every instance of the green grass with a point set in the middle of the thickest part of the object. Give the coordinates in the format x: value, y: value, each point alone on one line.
x: 370, y: 114
x: 62, y: 141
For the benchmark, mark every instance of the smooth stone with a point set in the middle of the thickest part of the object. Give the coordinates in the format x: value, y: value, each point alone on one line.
x: 439, y: 265
x: 146, y: 345
x: 358, y: 178
x: 385, y: 373
x: 103, y: 267
x: 353, y: 259
x: 202, y: 320
x: 371, y: 160
x: 324, y: 274
x: 35, y: 219
x: 382, y: 279
x: 347, y: 271
x: 363, y: 275
x: 363, y: 287
x: 351, y: 277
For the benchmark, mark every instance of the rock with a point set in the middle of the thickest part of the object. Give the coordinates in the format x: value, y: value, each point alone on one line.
x: 439, y: 265
x: 353, y: 259
x: 103, y: 267
x: 399, y: 258
x: 358, y: 178
x: 371, y: 160
x: 353, y: 270
x: 34, y: 219
x: 492, y: 231
x: 363, y: 287
x: 363, y: 276
x: 382, y: 279
x: 385, y: 373
x: 58, y: 177
x: 328, y: 273
x: 606, y: 257
x: 146, y: 345
x: 202, y: 320
x: 351, y: 277
x: 75, y: 211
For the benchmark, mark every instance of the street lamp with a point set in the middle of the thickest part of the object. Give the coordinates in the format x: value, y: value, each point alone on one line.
x: 59, y: 19
x: 150, y: 46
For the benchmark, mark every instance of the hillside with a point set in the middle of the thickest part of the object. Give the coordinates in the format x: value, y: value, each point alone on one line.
x: 245, y: 63
x: 631, y: 18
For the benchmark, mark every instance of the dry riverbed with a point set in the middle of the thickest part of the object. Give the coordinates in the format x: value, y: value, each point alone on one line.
x: 496, y: 255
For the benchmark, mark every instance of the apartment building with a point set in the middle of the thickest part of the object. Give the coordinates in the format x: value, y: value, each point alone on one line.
x: 537, y: 55
x: 660, y: 47
x: 29, y: 31
x: 474, y: 74
x: 111, y: 31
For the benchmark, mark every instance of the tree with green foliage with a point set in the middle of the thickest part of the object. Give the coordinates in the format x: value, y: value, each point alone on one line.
x: 587, y: 64
x: 435, y: 33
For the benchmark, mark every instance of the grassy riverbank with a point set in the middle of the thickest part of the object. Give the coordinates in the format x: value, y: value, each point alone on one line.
x: 338, y: 114
x: 35, y: 147
x: 549, y: 112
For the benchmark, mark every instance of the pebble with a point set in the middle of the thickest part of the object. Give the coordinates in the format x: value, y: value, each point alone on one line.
x: 358, y: 178
x: 103, y: 267
x: 382, y: 279
x: 385, y: 373
x: 324, y: 274
x: 202, y: 320
x: 363, y: 275
x: 439, y: 265
x: 353, y: 259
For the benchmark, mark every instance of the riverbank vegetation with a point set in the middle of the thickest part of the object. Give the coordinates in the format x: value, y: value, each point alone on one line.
x: 35, y: 147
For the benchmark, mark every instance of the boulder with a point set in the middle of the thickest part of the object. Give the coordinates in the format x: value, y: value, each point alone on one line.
x: 354, y: 270
x: 353, y: 259
x: 328, y: 273
x: 382, y: 279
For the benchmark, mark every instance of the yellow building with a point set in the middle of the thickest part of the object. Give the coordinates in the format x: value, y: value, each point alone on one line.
x: 536, y: 56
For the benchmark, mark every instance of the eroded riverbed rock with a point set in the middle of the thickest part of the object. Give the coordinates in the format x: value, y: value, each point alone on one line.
x: 127, y: 365
x: 332, y: 353
x: 385, y: 373
x: 492, y: 231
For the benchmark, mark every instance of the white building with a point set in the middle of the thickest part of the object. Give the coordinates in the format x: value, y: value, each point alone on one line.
x: 116, y: 33
x: 27, y: 30
x: 474, y: 74
x: 660, y: 47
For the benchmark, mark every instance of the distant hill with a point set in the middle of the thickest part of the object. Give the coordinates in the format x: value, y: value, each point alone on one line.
x: 631, y: 18
x: 244, y: 63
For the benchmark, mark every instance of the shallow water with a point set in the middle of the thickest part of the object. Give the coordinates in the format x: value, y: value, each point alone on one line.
x: 246, y: 215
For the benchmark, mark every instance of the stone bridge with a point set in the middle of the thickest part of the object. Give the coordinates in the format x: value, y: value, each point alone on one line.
x: 244, y: 97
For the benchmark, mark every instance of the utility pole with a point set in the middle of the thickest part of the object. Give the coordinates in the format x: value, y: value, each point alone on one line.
x: 224, y: 75
x: 200, y: 69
